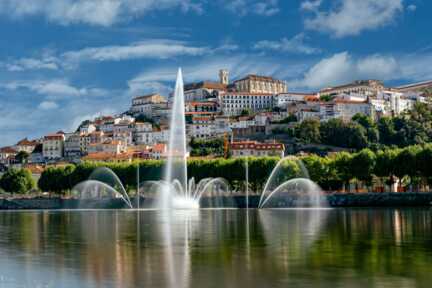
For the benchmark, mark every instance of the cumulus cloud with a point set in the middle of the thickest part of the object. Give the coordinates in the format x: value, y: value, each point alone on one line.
x: 95, y: 12
x: 343, y: 68
x: 294, y: 45
x: 351, y: 17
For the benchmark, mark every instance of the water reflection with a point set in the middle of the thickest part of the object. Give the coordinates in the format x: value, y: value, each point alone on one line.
x: 217, y: 248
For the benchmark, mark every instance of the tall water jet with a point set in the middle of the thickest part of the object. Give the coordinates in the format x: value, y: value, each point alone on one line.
x: 176, y: 166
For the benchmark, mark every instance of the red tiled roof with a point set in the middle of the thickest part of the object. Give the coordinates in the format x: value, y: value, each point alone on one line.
x: 8, y: 150
x: 256, y: 145
x: 26, y: 142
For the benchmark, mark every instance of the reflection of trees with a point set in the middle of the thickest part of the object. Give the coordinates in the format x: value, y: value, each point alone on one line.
x: 111, y: 247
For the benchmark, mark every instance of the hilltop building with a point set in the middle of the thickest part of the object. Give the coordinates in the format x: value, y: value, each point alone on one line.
x: 260, y: 84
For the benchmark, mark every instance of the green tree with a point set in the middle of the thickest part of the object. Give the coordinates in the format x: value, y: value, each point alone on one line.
x: 362, y: 165
x: 308, y: 131
x: 22, y: 157
x: 17, y: 181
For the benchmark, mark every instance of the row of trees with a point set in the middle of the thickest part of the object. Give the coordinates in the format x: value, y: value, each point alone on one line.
x: 412, y: 128
x: 411, y: 166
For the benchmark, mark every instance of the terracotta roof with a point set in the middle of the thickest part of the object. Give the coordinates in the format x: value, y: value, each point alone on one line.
x: 8, y: 150
x: 159, y: 147
x: 26, y: 142
x: 54, y: 137
x: 256, y: 146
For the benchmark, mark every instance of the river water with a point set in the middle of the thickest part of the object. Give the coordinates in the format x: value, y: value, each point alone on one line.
x: 217, y: 248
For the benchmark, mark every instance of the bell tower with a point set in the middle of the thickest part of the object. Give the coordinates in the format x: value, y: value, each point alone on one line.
x: 224, y: 76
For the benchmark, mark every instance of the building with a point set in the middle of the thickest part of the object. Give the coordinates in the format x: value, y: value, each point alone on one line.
x: 108, y: 146
x: 25, y: 145
x: 201, y: 127
x: 282, y: 100
x: 363, y: 87
x: 260, y: 84
x: 258, y: 149
x: 145, y: 105
x: 108, y: 157
x: 87, y: 128
x: 203, y: 90
x: 416, y: 87
x: 72, y: 146
x: 7, y: 155
x: 202, y: 106
x: 234, y: 103
x: 343, y: 109
x: 53, y: 146
x: 158, y: 151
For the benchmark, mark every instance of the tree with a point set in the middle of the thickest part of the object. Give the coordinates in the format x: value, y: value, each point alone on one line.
x: 246, y: 112
x: 17, y: 181
x: 362, y: 165
x: 22, y: 157
x: 309, y: 131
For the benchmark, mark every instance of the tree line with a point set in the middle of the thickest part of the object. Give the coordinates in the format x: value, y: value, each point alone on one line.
x: 410, y: 167
x: 411, y: 128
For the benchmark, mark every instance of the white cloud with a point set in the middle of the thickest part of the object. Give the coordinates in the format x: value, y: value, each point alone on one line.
x: 54, y: 89
x: 161, y: 49
x: 310, y: 5
x: 48, y: 105
x: 208, y: 69
x: 343, y: 68
x: 23, y: 64
x: 244, y: 7
x: 412, y: 7
x: 95, y: 12
x: 351, y: 17
x: 138, y: 86
x: 293, y: 45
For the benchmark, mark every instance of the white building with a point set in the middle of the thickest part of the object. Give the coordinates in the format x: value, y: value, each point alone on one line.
x: 201, y: 128
x: 233, y: 103
x: 343, y: 109
x: 108, y: 146
x: 53, y: 146
x: 144, y: 105
x: 282, y: 100
x: 72, y: 146
x: 25, y: 145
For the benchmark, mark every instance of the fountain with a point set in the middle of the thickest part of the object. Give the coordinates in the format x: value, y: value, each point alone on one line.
x: 102, y: 183
x: 175, y: 191
x: 289, y: 186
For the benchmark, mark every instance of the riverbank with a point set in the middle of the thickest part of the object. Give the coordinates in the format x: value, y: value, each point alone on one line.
x: 333, y: 200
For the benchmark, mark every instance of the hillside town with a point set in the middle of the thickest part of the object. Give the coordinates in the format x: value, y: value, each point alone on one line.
x: 243, y: 115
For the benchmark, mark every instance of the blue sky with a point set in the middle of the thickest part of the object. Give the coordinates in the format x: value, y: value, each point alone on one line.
x: 63, y: 61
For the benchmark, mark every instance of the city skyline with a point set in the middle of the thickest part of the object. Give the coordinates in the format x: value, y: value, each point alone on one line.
x: 62, y: 63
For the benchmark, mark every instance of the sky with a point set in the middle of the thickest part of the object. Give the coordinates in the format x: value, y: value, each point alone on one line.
x: 64, y: 61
